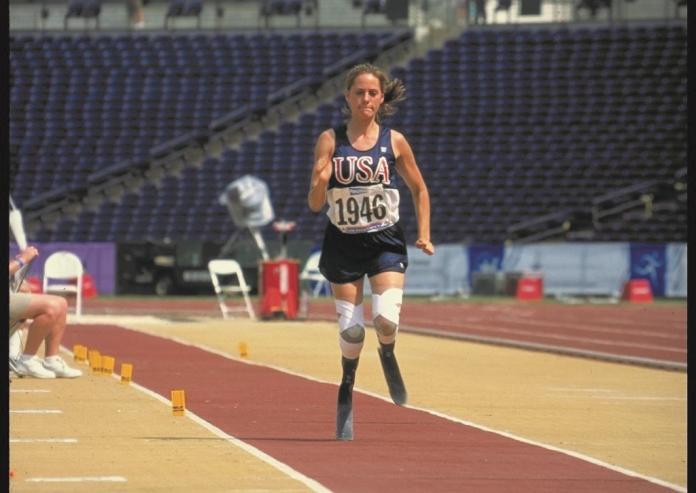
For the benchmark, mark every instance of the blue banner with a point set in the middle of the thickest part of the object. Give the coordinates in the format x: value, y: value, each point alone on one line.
x: 485, y: 258
x: 649, y: 261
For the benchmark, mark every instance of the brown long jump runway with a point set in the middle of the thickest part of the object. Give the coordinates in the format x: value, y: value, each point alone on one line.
x: 396, y: 449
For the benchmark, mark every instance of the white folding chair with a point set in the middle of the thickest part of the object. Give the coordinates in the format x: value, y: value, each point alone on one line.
x: 63, y: 275
x: 311, y: 272
x: 222, y: 273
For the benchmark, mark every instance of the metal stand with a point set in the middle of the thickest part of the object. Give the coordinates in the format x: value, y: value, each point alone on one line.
x: 258, y: 238
x: 283, y: 227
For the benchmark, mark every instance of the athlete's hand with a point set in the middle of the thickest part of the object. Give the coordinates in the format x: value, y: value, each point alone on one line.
x: 323, y: 172
x: 426, y: 246
x: 28, y: 254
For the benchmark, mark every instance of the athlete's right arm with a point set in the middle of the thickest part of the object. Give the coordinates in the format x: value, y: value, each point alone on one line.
x: 321, y: 173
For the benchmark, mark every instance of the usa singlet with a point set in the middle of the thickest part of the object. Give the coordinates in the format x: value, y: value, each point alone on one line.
x: 363, y: 236
x: 362, y: 193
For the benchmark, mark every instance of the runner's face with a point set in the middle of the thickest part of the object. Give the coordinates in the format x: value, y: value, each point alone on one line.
x: 365, y: 96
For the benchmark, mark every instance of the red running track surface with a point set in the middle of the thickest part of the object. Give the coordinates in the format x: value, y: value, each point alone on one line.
x: 395, y: 448
x: 647, y: 335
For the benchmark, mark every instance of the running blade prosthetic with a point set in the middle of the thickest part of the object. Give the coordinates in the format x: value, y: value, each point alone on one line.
x: 344, y: 411
x: 344, y: 414
x: 390, y: 367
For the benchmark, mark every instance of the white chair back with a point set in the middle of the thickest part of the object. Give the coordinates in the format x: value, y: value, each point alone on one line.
x: 222, y: 274
x: 63, y: 272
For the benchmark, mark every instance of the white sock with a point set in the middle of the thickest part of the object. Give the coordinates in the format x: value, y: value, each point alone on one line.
x: 50, y: 359
x: 27, y: 357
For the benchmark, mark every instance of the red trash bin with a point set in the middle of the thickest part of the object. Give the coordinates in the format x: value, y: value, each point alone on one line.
x: 279, y: 287
x: 530, y: 288
x: 638, y: 291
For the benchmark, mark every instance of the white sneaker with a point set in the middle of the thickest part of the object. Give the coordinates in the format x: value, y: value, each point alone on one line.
x: 16, y: 344
x: 13, y: 365
x: 60, y: 368
x: 32, y: 367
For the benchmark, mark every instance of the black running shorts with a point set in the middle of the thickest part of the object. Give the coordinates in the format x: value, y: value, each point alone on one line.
x: 348, y: 257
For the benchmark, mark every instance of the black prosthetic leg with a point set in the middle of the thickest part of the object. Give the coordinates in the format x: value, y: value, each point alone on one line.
x: 390, y: 367
x: 344, y: 414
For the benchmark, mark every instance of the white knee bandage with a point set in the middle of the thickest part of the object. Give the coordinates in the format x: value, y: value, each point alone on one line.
x: 388, y: 304
x: 386, y: 308
x: 351, y: 328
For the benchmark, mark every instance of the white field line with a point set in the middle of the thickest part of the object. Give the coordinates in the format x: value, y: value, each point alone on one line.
x: 575, y: 389
x: 608, y: 394
x: 565, y: 350
x: 110, y: 319
x: 29, y: 391
x: 673, y: 324
x: 596, y: 328
x: 36, y: 411
x: 562, y: 337
x: 79, y: 479
x: 43, y: 440
x: 577, y: 455
x: 633, y: 319
x: 284, y: 468
x: 523, y: 318
x: 638, y: 398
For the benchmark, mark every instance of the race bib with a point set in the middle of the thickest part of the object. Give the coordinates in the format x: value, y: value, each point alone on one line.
x: 363, y: 209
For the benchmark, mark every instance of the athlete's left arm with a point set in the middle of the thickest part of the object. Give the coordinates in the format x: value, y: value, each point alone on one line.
x: 408, y: 170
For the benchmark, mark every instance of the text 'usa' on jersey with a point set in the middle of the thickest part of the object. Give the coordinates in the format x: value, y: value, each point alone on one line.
x: 362, y: 193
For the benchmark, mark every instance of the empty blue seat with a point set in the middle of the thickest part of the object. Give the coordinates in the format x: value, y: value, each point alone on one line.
x: 561, y: 114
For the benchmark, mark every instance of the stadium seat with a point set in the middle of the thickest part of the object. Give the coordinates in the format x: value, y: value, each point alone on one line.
x: 563, y: 113
x: 84, y: 9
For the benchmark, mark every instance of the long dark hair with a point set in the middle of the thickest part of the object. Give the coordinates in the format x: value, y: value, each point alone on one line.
x: 393, y: 89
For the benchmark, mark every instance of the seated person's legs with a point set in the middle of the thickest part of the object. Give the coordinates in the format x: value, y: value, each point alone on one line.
x: 48, y: 314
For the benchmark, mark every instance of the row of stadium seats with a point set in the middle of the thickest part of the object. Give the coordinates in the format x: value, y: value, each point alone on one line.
x: 132, y: 97
x: 502, y: 134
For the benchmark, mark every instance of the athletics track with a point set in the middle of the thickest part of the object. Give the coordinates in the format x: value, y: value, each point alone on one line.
x: 396, y: 449
x: 291, y: 417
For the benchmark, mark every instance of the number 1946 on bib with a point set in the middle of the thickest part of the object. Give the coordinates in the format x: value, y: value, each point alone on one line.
x: 361, y: 210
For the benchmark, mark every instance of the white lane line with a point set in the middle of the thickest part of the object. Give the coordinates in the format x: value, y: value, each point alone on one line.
x: 637, y: 398
x: 36, y: 411
x: 563, y: 337
x: 298, y: 476
x: 43, y: 440
x: 553, y: 448
x: 577, y: 455
x: 605, y: 394
x: 79, y: 479
x: 598, y: 328
x: 116, y: 319
x: 29, y: 391
x: 572, y: 389
x: 564, y: 350
x: 666, y: 324
x: 259, y: 454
